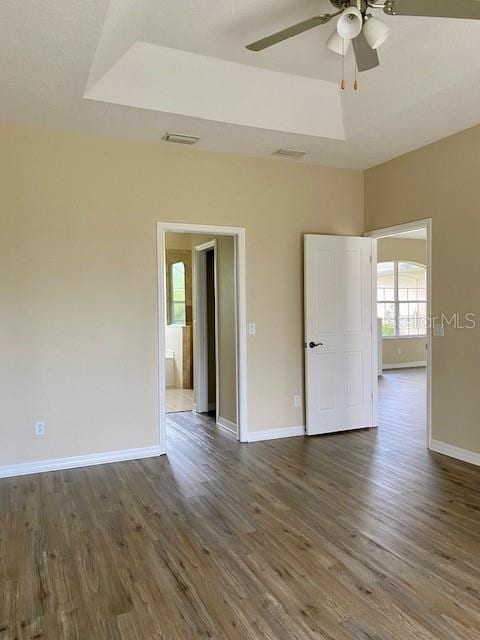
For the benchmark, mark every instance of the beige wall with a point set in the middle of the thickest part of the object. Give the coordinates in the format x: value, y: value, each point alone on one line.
x: 178, y: 241
x: 440, y: 181
x: 396, y: 249
x: 402, y: 350
x: 78, y: 284
x: 226, y: 328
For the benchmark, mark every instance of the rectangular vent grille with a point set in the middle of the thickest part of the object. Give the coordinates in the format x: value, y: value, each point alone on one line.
x: 289, y: 153
x: 180, y: 138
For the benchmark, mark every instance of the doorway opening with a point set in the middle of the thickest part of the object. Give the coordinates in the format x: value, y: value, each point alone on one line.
x: 202, y: 342
x: 402, y: 303
x: 207, y: 329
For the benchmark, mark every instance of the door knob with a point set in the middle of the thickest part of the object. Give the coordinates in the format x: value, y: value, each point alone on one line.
x: 312, y: 345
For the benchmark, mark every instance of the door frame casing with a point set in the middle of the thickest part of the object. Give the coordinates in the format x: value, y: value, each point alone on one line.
x: 394, y: 230
x: 200, y: 327
x: 240, y: 314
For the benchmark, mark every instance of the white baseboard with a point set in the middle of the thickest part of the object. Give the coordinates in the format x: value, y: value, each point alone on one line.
x: 403, y: 365
x: 75, y: 462
x: 455, y: 452
x: 227, y: 424
x: 273, y: 434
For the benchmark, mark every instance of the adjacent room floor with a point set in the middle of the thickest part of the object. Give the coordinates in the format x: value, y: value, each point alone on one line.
x: 402, y: 396
x: 178, y: 399
x: 354, y: 536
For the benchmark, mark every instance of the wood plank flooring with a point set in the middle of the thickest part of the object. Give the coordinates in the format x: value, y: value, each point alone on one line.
x: 357, y: 536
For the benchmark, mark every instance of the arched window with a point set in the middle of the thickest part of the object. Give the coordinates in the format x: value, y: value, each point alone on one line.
x: 402, y: 298
x: 177, y: 294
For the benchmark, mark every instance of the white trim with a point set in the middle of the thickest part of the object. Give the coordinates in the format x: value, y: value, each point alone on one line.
x: 374, y: 331
x: 200, y: 326
x: 241, y: 305
x: 161, y: 320
x: 273, y: 434
x: 450, y: 450
x: 399, y: 228
x: 392, y: 231
x: 76, y: 462
x: 227, y: 424
x: 404, y: 365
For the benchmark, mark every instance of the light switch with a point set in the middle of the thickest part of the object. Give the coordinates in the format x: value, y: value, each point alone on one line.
x: 252, y: 328
x: 438, y: 330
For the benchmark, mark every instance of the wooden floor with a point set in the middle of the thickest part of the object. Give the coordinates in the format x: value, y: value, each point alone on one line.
x: 402, y: 395
x: 358, y: 536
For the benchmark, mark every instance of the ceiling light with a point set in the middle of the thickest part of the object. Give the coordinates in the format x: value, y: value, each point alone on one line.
x: 376, y: 32
x: 180, y: 138
x: 289, y: 153
x: 350, y: 24
x: 337, y: 44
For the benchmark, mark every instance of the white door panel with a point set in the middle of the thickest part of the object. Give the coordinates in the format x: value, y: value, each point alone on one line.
x: 338, y: 319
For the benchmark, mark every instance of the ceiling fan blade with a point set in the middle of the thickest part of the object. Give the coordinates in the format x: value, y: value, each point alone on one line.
x: 469, y: 9
x: 366, y: 57
x: 296, y: 29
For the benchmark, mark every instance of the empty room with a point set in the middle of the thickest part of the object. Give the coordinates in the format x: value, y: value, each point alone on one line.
x: 239, y: 337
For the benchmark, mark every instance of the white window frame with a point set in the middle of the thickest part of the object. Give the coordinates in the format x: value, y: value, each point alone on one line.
x: 396, y: 301
x: 172, y: 301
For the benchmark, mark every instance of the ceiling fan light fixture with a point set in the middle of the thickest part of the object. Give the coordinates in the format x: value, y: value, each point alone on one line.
x: 337, y: 44
x: 376, y: 32
x: 350, y: 24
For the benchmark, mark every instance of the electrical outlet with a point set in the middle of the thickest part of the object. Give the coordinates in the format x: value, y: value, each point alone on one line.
x: 297, y: 401
x: 40, y: 428
x: 252, y: 328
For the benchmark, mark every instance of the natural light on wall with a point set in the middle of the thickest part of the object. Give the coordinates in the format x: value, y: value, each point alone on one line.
x: 402, y: 298
x: 177, y: 294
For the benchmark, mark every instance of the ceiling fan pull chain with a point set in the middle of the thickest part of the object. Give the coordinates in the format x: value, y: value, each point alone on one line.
x: 343, y: 65
x: 355, y: 84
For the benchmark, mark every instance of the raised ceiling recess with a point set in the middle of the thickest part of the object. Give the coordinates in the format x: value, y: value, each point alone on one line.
x: 145, y: 68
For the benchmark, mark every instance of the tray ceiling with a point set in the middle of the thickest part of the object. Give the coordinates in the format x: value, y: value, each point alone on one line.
x: 140, y: 69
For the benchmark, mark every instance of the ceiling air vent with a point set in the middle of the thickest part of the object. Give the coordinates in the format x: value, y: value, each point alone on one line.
x: 179, y: 138
x: 289, y: 153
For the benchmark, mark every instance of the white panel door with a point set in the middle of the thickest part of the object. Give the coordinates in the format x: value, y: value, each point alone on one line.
x: 338, y: 333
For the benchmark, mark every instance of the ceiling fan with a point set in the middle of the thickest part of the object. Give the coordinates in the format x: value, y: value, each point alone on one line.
x: 366, y: 32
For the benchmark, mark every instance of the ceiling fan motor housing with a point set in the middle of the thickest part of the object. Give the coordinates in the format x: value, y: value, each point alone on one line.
x: 341, y: 5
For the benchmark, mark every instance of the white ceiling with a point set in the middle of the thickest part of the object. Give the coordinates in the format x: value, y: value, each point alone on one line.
x: 75, y: 64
